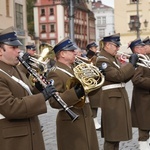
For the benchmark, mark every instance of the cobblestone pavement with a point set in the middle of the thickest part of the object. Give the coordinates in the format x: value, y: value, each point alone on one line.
x: 48, y: 121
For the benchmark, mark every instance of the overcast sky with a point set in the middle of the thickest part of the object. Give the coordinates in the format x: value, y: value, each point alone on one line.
x: 108, y: 2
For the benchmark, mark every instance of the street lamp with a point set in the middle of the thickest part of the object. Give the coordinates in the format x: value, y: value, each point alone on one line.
x: 135, y: 24
x: 145, y: 23
x: 71, y: 4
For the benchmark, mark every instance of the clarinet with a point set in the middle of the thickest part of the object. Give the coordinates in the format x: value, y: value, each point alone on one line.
x: 72, y: 115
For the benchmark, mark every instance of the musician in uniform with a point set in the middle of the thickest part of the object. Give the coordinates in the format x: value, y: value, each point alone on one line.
x: 146, y: 41
x: 31, y: 49
x: 116, y: 116
x: 92, y: 53
x: 140, y: 106
x: 19, y: 124
x: 81, y: 133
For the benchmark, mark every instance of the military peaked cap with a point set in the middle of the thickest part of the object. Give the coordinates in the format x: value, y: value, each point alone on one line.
x: 65, y: 44
x: 9, y: 37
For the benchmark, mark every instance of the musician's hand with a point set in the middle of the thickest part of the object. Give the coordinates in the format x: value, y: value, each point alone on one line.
x: 79, y: 90
x: 38, y: 85
x: 133, y: 59
x: 26, y: 57
x: 48, y: 91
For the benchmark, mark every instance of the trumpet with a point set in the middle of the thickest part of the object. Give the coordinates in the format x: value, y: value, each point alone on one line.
x: 79, y: 60
x: 72, y: 115
x: 40, y: 62
x: 144, y: 60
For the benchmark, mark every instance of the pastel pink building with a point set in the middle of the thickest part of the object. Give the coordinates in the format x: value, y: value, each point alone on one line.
x: 51, y: 22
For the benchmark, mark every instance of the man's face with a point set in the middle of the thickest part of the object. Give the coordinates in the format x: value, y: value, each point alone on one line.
x: 31, y: 52
x: 9, y: 54
x: 94, y: 49
x: 112, y: 48
x: 140, y: 49
x: 147, y: 49
x: 69, y: 56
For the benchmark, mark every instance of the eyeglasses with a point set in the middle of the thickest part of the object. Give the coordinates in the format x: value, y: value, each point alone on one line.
x: 117, y: 46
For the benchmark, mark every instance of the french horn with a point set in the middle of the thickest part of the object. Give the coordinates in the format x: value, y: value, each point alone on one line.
x: 88, y: 75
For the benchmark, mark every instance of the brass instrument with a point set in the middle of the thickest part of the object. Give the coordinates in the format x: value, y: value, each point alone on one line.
x: 41, y: 63
x: 80, y: 60
x: 72, y: 115
x: 88, y: 75
x: 144, y: 60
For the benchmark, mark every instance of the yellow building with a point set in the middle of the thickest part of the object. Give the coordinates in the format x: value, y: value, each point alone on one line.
x: 13, y: 13
x: 135, y: 12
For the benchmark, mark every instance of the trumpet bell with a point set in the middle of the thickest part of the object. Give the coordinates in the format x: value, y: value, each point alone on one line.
x: 42, y: 62
x: 46, y: 52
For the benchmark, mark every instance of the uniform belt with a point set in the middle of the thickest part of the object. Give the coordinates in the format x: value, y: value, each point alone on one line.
x: 87, y: 99
x: 1, y: 117
x: 113, y: 86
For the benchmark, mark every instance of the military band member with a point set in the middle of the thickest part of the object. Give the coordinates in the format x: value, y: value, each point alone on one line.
x: 81, y: 133
x: 146, y: 41
x: 31, y: 49
x: 116, y: 116
x: 92, y: 52
x: 140, y: 106
x: 19, y: 124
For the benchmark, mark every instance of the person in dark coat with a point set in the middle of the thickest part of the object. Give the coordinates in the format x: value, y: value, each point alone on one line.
x: 19, y: 123
x: 92, y: 53
x: 140, y: 106
x: 31, y: 49
x: 80, y: 134
x: 116, y: 116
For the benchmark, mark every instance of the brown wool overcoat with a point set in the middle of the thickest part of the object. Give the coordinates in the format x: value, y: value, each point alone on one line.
x: 116, y: 117
x: 77, y: 135
x: 20, y: 129
x: 94, y: 96
x: 140, y: 106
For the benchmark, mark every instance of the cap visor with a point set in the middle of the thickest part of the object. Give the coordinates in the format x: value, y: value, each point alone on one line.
x: 72, y: 47
x: 13, y: 43
x: 140, y: 44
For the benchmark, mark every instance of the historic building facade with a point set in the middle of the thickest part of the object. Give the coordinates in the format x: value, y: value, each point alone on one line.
x: 13, y: 13
x: 132, y: 19
x: 104, y: 23
x: 51, y: 22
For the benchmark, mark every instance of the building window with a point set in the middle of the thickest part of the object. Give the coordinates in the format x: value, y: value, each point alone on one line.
x: 101, y: 33
x: 19, y: 16
x: 101, y: 21
x: 133, y: 22
x: 51, y: 11
x: 43, y: 28
x: 7, y: 8
x: 42, y: 12
x: 133, y: 1
x: 66, y: 27
x: 53, y: 42
x: 52, y: 28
